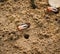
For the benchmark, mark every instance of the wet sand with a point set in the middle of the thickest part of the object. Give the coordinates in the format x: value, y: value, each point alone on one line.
x: 43, y: 35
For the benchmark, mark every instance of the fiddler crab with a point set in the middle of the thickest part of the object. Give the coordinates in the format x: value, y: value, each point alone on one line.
x: 23, y: 26
x: 52, y: 9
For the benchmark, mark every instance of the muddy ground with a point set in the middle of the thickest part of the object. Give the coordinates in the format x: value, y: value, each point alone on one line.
x: 43, y: 35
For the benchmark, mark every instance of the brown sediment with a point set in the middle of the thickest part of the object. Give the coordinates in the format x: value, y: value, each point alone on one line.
x: 43, y: 35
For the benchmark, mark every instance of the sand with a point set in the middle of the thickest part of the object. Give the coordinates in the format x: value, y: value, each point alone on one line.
x: 43, y: 35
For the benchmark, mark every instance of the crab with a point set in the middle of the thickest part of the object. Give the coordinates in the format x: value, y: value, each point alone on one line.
x: 23, y: 26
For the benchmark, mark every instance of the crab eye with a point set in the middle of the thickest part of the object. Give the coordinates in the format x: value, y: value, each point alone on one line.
x: 54, y: 9
x: 25, y: 26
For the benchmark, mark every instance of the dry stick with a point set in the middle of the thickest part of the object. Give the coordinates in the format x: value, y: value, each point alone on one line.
x: 33, y: 4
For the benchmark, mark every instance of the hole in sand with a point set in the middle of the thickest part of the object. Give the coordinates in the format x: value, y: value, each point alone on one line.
x: 26, y: 36
x: 56, y: 19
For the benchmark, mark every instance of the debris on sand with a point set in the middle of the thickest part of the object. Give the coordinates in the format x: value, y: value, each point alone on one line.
x: 23, y: 26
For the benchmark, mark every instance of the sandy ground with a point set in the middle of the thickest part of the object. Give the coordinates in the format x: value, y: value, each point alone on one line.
x: 43, y: 36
